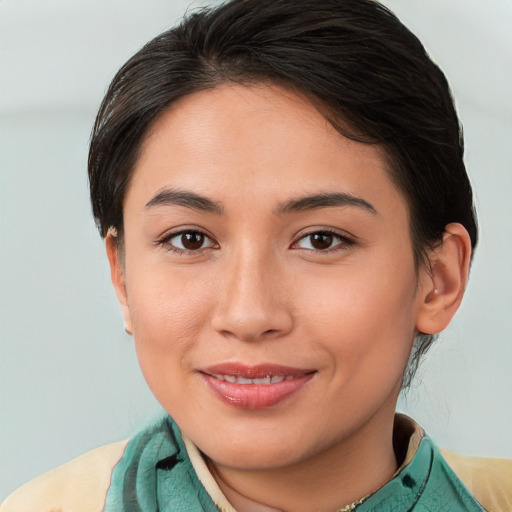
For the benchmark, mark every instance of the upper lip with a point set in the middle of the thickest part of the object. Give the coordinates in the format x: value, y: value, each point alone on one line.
x: 258, y: 371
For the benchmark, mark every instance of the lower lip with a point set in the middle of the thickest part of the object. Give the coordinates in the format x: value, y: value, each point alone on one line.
x: 256, y: 396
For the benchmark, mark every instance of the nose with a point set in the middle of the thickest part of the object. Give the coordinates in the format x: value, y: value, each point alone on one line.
x: 253, y: 303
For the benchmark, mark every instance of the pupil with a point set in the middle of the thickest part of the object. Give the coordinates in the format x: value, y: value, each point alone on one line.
x: 192, y: 240
x: 321, y: 240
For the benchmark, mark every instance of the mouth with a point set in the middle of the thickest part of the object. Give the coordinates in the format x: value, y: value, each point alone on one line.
x: 255, y: 387
x: 269, y: 379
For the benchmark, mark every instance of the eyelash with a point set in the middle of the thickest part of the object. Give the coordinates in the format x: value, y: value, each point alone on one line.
x: 166, y: 239
x: 345, y: 242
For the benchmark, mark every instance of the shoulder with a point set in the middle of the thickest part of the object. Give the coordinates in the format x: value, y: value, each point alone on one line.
x: 489, y: 480
x: 78, y: 486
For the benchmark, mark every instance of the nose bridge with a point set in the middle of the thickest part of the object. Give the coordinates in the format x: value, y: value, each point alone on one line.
x: 252, y: 304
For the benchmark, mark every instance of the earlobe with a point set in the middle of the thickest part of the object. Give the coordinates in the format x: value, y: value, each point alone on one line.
x: 117, y: 277
x: 443, y: 286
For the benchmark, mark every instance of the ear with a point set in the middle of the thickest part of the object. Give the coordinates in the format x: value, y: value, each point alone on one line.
x: 443, y: 285
x: 117, y: 277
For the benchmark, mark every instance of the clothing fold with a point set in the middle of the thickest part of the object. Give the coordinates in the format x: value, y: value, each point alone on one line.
x: 156, y: 474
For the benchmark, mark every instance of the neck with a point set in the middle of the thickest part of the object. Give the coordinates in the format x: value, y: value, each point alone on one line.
x: 340, y: 475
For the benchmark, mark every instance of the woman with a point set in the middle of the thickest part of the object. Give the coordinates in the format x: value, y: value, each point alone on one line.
x: 288, y: 223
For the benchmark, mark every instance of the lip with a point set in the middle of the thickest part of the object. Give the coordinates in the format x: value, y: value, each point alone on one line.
x: 279, y: 383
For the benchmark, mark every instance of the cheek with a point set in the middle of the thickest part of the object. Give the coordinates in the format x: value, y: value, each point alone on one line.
x: 168, y: 301
x: 169, y: 311
x: 364, y: 318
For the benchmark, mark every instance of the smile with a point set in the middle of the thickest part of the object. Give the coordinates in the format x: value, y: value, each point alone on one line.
x: 275, y: 379
x: 255, y: 387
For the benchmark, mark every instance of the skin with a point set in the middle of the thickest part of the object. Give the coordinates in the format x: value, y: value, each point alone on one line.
x: 258, y: 291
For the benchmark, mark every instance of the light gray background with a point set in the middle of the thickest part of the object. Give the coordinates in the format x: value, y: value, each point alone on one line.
x: 68, y: 375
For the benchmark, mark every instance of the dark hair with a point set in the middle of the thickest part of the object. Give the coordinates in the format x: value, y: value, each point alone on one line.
x: 353, y: 59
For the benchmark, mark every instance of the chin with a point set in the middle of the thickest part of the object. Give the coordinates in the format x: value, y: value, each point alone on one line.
x: 256, y: 449
x: 251, y: 458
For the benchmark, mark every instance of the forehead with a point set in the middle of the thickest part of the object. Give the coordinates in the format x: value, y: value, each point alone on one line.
x: 230, y: 112
x: 256, y: 141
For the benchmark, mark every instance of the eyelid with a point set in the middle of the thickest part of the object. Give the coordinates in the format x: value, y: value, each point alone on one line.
x: 164, y: 240
x: 347, y: 240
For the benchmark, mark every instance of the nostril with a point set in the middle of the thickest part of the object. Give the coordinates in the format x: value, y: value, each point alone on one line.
x: 247, y: 321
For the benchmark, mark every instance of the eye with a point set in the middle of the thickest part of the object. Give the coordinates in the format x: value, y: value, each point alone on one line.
x: 323, y: 241
x: 187, y: 241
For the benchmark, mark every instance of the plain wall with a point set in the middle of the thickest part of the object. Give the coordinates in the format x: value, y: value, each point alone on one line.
x: 69, y: 380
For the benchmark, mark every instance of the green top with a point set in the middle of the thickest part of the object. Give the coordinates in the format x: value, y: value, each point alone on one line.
x: 155, y: 474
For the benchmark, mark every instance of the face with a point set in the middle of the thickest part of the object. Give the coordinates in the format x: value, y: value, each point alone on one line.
x: 268, y: 276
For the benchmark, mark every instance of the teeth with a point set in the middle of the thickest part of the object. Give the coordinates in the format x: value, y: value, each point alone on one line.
x: 275, y: 379
x: 265, y: 380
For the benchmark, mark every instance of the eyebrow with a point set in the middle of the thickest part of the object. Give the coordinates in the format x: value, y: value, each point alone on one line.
x: 323, y: 200
x: 169, y: 197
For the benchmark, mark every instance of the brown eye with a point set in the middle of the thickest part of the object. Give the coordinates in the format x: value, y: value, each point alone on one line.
x: 188, y: 241
x: 192, y: 240
x: 321, y: 240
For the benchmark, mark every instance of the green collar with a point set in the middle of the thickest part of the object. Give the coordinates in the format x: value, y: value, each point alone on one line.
x: 155, y: 475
